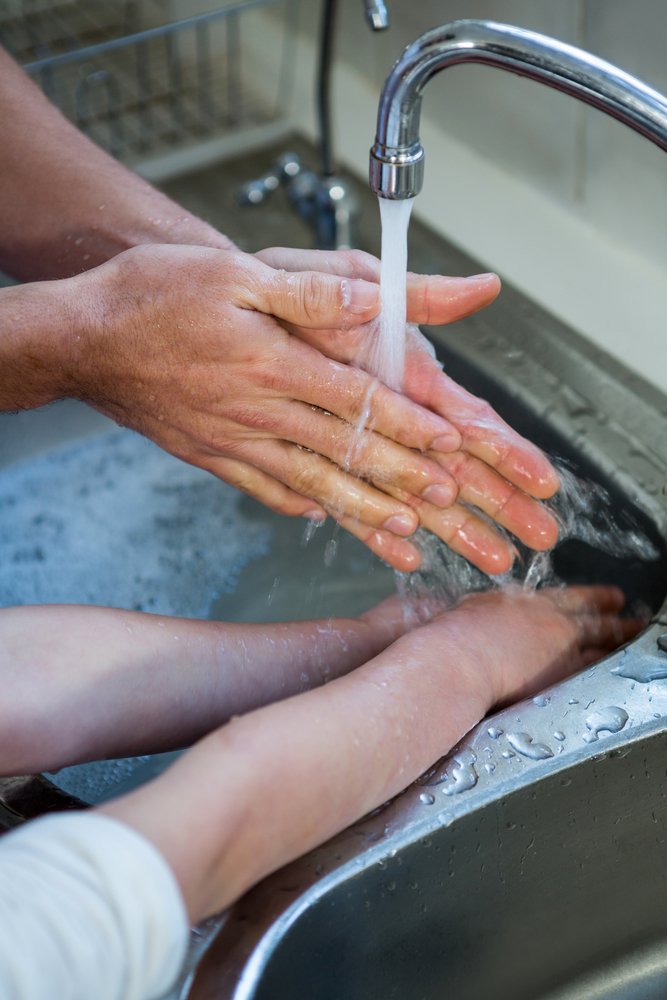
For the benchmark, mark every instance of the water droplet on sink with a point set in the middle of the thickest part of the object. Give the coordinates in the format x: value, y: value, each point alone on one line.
x: 462, y: 774
x: 611, y: 719
x: 515, y: 354
x: 541, y: 700
x: 644, y: 670
x: 494, y: 732
x: 489, y: 768
x: 427, y: 798
x: 559, y: 735
x: 507, y: 754
x: 573, y: 701
x: 523, y: 744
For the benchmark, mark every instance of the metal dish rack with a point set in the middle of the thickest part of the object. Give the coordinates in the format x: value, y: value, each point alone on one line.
x: 147, y: 79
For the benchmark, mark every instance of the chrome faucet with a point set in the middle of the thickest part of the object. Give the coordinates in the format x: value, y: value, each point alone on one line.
x: 397, y: 158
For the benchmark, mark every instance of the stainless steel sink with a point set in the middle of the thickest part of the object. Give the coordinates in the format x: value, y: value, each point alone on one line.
x: 543, y: 879
x: 529, y: 864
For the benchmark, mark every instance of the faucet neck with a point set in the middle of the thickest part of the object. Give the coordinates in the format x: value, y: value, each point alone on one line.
x: 397, y: 156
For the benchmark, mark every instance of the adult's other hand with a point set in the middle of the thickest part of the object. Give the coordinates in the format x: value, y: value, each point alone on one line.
x: 185, y: 344
x: 495, y: 469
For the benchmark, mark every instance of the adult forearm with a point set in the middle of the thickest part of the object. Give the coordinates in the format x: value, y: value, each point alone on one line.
x: 40, y: 325
x: 67, y: 205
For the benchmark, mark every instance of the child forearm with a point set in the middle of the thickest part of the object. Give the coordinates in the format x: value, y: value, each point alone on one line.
x: 97, y: 682
x: 273, y: 784
x: 270, y: 786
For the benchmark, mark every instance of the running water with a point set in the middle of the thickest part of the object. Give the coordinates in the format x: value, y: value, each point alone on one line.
x: 385, y: 355
x: 387, y: 359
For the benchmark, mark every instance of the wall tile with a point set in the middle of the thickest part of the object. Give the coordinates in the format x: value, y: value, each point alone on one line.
x: 526, y: 128
x: 626, y: 176
x: 583, y: 160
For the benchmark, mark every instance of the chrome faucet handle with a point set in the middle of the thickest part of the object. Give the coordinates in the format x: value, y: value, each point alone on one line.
x: 284, y: 170
x: 326, y: 203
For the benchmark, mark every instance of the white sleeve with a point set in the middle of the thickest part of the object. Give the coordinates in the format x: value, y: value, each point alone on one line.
x: 88, y: 908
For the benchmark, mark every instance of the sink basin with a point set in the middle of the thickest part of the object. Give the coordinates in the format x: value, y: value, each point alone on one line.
x: 543, y: 881
x: 529, y: 863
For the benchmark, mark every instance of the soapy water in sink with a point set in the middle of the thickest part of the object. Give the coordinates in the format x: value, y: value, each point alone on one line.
x: 116, y: 521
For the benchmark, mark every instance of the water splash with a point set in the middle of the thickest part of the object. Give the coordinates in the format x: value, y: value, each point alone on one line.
x: 585, y: 512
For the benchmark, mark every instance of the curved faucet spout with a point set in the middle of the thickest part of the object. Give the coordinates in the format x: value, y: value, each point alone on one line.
x: 397, y: 158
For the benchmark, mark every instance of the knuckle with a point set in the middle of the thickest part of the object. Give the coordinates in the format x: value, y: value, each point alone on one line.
x: 271, y: 374
x: 312, y: 295
x: 254, y: 418
x: 307, y: 481
x: 361, y: 264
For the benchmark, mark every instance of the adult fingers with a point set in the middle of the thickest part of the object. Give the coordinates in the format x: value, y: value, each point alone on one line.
x: 308, y: 298
x: 431, y: 298
x: 398, y: 553
x: 480, y: 485
x: 470, y: 536
x: 268, y: 490
x: 484, y: 433
x: 357, y: 398
x: 340, y: 494
x: 346, y: 263
x: 390, y: 466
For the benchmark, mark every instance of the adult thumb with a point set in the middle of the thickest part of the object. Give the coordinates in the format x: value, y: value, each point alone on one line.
x: 314, y: 299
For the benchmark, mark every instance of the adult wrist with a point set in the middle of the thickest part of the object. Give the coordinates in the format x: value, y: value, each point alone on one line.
x: 40, y: 322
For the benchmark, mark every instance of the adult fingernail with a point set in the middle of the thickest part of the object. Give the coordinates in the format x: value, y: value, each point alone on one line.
x: 400, y: 524
x: 447, y: 442
x: 359, y: 296
x: 481, y: 277
x: 439, y: 494
x: 315, y: 515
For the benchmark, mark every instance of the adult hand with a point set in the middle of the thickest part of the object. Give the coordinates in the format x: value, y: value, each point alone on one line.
x: 181, y: 344
x: 495, y: 469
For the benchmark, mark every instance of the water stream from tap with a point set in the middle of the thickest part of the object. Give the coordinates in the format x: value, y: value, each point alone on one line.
x: 387, y: 357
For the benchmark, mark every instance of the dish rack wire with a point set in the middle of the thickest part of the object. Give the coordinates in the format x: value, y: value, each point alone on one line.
x: 144, y: 83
